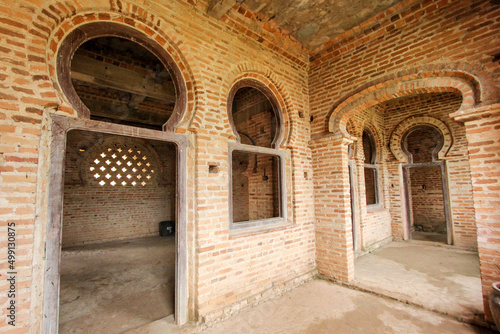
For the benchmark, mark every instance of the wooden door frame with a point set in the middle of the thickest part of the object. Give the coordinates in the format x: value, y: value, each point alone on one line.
x: 60, y: 126
x: 446, y: 203
x: 352, y: 190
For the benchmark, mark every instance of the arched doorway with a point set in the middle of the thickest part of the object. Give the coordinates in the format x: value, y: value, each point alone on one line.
x: 125, y: 88
x: 426, y: 186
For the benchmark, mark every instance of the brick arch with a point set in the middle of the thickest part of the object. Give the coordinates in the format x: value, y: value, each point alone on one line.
x: 56, y: 22
x: 266, y: 78
x: 396, y: 141
x: 356, y: 132
x: 405, y: 84
x: 379, y: 142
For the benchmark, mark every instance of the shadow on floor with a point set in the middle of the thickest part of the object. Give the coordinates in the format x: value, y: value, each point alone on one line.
x: 113, y: 287
x: 436, y: 277
x: 429, y: 236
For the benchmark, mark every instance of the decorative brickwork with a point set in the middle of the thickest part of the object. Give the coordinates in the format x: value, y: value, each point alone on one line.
x: 397, y: 135
x: 417, y: 62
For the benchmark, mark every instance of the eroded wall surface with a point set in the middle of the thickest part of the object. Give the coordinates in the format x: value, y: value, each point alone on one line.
x: 428, y: 47
x: 225, y: 271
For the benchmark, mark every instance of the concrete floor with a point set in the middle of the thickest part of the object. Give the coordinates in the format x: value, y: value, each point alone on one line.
x: 436, y: 277
x: 128, y: 287
x: 318, y: 307
x: 429, y: 236
x: 113, y: 287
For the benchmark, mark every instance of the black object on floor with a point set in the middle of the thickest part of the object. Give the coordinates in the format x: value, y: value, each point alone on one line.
x: 166, y: 228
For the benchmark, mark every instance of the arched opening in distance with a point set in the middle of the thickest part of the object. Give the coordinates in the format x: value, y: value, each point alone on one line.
x: 425, y: 185
x: 257, y: 165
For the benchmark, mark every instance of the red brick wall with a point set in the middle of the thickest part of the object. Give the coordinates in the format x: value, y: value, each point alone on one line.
x: 93, y: 213
x: 100, y: 215
x: 422, y: 142
x: 334, y: 247
x: 225, y: 271
x: 427, y: 204
x: 483, y: 135
x: 406, y: 41
x: 404, y: 51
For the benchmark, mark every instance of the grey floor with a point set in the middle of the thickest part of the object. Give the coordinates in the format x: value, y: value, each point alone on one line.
x: 442, y: 279
x: 127, y: 287
x: 434, y: 276
x: 321, y: 307
x: 114, y: 287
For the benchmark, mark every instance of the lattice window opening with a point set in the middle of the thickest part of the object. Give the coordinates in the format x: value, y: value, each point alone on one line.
x: 122, y: 166
x: 121, y: 162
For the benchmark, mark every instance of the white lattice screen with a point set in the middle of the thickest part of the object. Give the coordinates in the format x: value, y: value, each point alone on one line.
x: 120, y: 162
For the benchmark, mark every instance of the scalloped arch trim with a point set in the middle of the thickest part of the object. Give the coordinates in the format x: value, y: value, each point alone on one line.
x: 418, y: 83
x: 58, y: 27
x: 256, y: 72
x: 395, y: 142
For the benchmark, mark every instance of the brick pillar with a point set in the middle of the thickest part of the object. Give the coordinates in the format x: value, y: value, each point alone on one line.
x: 483, y: 136
x: 334, y: 253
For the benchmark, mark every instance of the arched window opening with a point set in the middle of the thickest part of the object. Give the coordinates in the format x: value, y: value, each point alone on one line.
x: 254, y: 116
x: 370, y: 168
x: 257, y: 166
x: 422, y: 144
x: 426, y: 184
x: 122, y: 82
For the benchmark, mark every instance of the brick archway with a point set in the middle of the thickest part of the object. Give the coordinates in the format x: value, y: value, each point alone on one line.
x: 395, y: 142
x: 88, y: 31
x: 407, y: 85
x: 153, y: 34
x: 276, y: 92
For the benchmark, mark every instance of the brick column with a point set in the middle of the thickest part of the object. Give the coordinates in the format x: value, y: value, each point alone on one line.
x: 483, y: 135
x: 334, y: 253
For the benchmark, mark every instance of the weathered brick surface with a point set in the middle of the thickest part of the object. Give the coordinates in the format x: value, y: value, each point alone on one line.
x: 414, y: 48
x: 334, y: 248
x: 483, y: 135
x: 225, y: 271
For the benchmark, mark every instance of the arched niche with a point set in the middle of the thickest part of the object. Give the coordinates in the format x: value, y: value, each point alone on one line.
x: 95, y: 30
x: 422, y: 143
x: 396, y: 143
x: 401, y: 86
x: 257, y: 188
x: 266, y: 105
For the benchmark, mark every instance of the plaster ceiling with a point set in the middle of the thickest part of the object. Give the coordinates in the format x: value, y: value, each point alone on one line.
x: 315, y: 22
